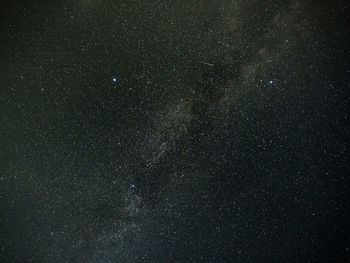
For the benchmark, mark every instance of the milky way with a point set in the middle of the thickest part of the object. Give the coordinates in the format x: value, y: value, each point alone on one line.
x: 174, y: 131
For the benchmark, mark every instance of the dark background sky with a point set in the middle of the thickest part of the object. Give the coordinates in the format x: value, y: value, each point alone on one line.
x: 226, y: 139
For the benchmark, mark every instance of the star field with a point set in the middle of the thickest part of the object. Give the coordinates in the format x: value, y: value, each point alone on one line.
x: 174, y: 131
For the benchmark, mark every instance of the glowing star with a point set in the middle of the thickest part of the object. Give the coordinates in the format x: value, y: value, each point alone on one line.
x: 115, y: 79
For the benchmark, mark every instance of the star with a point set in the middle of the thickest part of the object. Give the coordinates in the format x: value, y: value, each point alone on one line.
x: 115, y: 79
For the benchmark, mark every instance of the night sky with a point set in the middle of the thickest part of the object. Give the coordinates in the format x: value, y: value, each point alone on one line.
x: 174, y: 131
